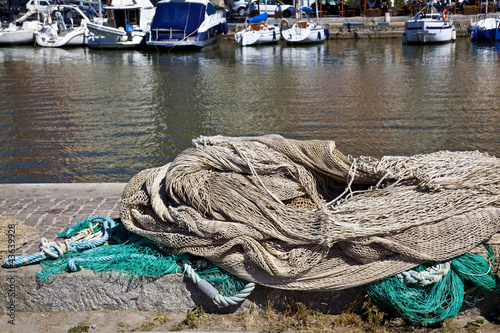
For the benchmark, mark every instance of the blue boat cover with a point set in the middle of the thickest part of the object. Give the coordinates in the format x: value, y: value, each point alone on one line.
x: 258, y: 18
x: 306, y: 9
x: 186, y: 16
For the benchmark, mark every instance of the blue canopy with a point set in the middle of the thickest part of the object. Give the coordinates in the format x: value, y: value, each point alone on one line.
x: 258, y: 18
x: 178, y: 16
x: 306, y: 9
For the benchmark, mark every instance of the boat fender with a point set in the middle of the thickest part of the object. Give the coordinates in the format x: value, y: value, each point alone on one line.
x: 327, y: 33
x: 284, y: 24
x: 274, y: 34
x: 224, y: 27
x: 445, y: 15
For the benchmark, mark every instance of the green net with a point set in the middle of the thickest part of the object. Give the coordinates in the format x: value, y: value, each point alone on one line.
x: 438, y: 301
x: 127, y: 254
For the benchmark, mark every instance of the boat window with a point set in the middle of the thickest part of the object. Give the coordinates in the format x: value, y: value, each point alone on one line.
x: 210, y: 9
x: 119, y: 18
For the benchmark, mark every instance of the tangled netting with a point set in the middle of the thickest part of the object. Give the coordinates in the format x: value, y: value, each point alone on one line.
x: 301, y: 215
x: 128, y: 255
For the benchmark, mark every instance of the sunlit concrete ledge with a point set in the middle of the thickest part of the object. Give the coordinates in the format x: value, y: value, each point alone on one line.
x: 87, y: 291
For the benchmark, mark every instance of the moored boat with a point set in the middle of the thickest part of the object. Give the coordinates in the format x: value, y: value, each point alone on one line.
x: 186, y: 24
x: 22, y: 30
x: 486, y: 30
x: 257, y: 32
x: 305, y: 31
x: 125, y: 26
x: 69, y: 29
x: 429, y: 26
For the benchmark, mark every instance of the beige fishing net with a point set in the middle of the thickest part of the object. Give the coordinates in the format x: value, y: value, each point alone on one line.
x: 296, y: 214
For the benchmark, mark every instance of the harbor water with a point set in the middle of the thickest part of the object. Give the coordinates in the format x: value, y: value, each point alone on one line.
x: 81, y: 115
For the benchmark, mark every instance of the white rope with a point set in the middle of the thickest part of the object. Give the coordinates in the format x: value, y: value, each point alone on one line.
x: 348, y: 189
x: 477, y: 275
x: 63, y: 247
x: 431, y: 275
x: 254, y: 173
x: 213, y: 293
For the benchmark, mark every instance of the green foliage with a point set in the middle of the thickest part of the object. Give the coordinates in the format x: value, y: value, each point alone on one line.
x: 374, y: 317
x: 193, y: 317
x: 400, y: 4
x: 80, y: 328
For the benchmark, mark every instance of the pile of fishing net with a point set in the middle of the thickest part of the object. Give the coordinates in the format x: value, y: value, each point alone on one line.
x: 300, y: 215
x: 117, y: 252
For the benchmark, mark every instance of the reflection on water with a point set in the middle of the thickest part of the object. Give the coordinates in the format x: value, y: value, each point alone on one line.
x: 101, y: 116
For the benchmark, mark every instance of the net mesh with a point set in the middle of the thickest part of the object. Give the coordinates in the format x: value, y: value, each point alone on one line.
x: 301, y: 215
x: 441, y: 300
x: 131, y: 256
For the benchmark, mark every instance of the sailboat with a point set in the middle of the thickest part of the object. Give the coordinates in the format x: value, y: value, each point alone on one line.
x: 125, y: 27
x: 22, y: 30
x: 487, y: 29
x: 69, y: 28
x: 257, y: 32
x: 305, y: 30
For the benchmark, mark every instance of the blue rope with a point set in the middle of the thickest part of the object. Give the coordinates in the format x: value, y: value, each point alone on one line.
x: 74, y: 246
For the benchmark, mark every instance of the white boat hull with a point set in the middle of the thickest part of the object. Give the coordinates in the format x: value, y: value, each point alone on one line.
x: 249, y: 37
x: 74, y: 37
x: 103, y: 42
x: 427, y: 31
x: 104, y: 37
x: 304, y: 33
x: 17, y: 37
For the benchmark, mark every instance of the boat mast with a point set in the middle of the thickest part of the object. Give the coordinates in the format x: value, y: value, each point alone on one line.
x: 317, y: 13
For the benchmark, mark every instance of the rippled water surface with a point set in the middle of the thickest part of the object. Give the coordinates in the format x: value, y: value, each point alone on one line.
x: 79, y: 115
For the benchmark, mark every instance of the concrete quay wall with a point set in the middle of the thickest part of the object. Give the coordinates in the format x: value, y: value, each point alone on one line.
x: 51, y: 208
x: 365, y: 27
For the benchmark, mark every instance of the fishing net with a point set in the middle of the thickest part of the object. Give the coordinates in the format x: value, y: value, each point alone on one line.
x: 440, y: 300
x: 130, y: 256
x: 301, y: 215
x: 415, y: 232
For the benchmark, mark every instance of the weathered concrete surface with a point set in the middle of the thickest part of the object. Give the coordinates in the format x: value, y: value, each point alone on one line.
x: 53, y: 207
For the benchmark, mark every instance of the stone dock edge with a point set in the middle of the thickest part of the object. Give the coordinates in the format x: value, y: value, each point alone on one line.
x: 53, y: 207
x: 363, y: 27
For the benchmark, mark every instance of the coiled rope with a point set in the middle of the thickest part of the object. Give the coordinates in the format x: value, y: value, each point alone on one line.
x: 84, y: 240
x: 424, y: 278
